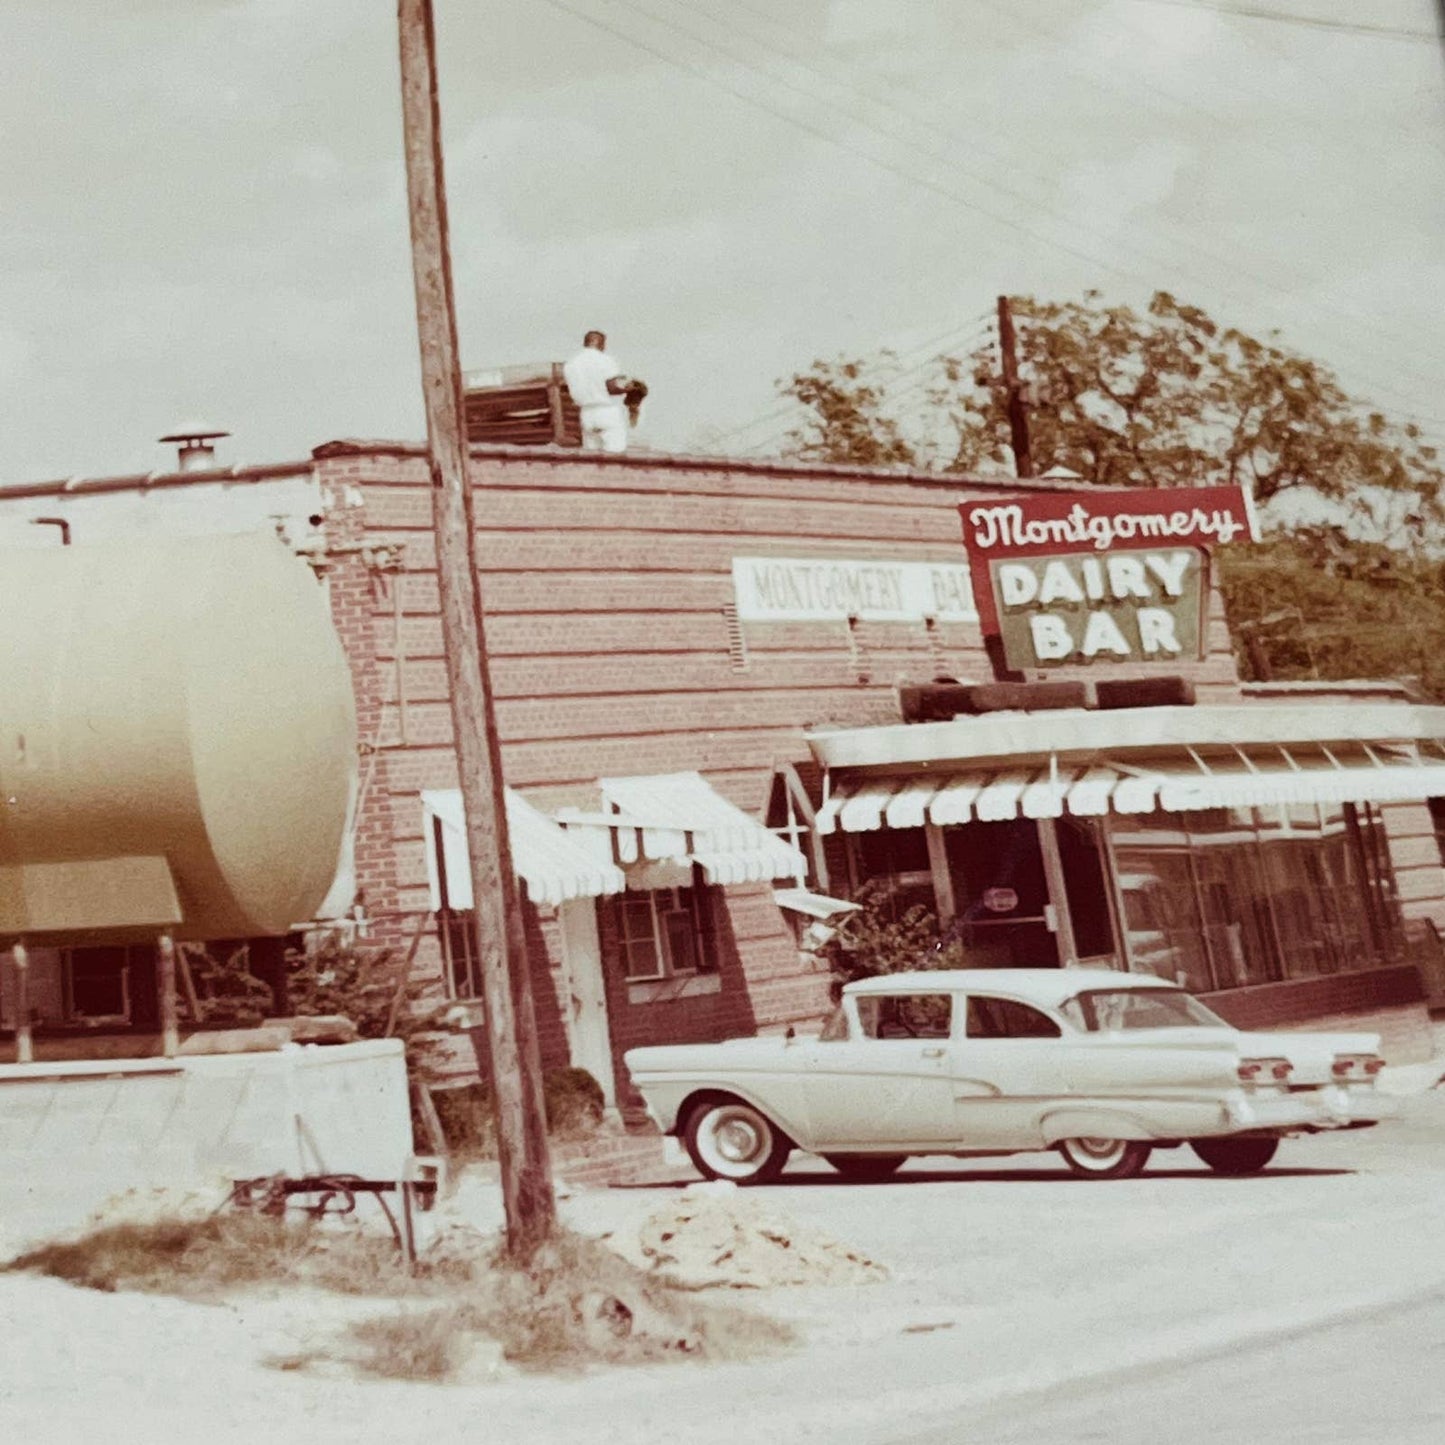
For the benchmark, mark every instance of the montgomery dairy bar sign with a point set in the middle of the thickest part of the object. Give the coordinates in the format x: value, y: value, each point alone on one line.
x: 1121, y: 576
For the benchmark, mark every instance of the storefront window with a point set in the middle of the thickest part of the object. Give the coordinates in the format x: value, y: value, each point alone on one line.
x: 896, y: 860
x: 1221, y: 898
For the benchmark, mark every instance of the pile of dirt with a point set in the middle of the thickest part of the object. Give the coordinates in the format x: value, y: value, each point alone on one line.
x: 713, y: 1236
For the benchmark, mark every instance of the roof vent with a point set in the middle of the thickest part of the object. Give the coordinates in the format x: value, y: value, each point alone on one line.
x: 196, y: 446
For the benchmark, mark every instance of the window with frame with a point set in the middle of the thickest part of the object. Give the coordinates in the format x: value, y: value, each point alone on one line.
x: 905, y: 1015
x: 667, y: 933
x: 1220, y: 898
x: 109, y: 984
x: 1437, y: 822
x: 1006, y: 1018
x: 457, y: 931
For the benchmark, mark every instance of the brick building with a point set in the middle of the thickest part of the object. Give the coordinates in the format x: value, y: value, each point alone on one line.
x: 697, y: 667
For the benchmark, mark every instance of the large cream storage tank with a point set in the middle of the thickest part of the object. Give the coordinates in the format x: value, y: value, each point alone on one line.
x: 177, y: 736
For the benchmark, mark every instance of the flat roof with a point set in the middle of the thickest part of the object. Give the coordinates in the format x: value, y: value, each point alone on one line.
x: 554, y: 455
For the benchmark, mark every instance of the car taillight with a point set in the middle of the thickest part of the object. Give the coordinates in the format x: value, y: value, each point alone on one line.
x: 1253, y: 1071
x: 1347, y: 1066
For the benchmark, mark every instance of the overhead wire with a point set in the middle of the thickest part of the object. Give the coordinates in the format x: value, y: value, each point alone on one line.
x: 912, y: 351
x: 928, y: 183
x: 1176, y: 238
x: 1284, y: 17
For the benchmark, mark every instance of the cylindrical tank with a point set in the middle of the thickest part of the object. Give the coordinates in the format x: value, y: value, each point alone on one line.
x: 187, y: 698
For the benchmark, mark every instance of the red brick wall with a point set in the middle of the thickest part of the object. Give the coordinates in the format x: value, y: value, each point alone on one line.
x: 606, y: 583
x: 1389, y: 1001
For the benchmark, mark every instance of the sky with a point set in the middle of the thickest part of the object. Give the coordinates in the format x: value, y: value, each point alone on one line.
x: 205, y: 218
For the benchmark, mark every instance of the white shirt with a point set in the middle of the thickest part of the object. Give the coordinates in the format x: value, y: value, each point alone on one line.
x: 587, y: 375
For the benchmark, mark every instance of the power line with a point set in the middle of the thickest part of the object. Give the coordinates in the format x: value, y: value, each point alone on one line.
x: 1318, y: 22
x: 933, y: 341
x: 928, y: 183
x: 1229, y: 265
x: 819, y: 133
x: 1174, y: 236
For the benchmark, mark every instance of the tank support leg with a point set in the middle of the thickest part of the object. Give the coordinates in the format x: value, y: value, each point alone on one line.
x: 166, y: 981
x: 24, y: 1048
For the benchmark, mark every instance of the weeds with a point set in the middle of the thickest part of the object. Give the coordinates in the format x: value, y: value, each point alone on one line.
x: 202, y: 1259
x: 575, y: 1304
x: 418, y: 1345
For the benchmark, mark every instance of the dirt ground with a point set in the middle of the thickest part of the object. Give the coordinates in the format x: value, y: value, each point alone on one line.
x: 1002, y: 1277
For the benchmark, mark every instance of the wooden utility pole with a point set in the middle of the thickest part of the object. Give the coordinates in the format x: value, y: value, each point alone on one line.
x: 1018, y: 417
x: 510, y: 1024
x: 1018, y: 420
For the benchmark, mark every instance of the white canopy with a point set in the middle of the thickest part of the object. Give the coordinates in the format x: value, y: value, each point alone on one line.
x: 1189, y: 778
x: 681, y: 819
x: 554, y: 866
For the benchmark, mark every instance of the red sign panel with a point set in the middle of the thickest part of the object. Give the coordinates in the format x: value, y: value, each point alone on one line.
x: 1063, y: 578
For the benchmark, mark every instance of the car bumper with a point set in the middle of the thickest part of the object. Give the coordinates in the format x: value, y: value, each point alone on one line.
x: 1328, y: 1107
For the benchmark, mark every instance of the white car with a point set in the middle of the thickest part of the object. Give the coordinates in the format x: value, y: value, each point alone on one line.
x: 1102, y: 1066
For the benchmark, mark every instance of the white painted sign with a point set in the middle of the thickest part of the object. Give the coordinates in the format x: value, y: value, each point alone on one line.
x: 819, y: 589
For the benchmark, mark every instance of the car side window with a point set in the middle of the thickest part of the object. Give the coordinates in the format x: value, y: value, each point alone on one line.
x: 906, y: 1015
x: 1005, y: 1018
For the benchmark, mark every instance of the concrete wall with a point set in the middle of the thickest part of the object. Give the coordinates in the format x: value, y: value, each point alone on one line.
x: 72, y: 1135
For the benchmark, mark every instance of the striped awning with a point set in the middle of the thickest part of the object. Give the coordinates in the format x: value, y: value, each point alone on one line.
x: 1190, y: 779
x: 554, y: 866
x: 680, y: 818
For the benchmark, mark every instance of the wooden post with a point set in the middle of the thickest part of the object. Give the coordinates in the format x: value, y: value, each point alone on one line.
x: 554, y: 406
x: 1058, y: 892
x: 510, y: 1024
x: 1018, y: 419
x: 942, y: 874
x: 24, y: 1046
x: 166, y: 988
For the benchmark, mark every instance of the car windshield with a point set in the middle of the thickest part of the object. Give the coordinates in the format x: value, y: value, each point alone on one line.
x: 1111, y: 1009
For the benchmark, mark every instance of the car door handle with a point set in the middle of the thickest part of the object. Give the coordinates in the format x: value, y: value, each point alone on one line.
x: 933, y: 1053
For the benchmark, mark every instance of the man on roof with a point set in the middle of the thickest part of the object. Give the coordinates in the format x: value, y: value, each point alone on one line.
x: 604, y: 396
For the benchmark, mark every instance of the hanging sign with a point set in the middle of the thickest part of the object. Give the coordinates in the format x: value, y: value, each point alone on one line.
x: 1117, y: 577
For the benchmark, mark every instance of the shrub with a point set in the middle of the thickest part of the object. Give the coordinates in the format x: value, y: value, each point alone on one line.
x: 880, y: 938
x: 573, y: 1099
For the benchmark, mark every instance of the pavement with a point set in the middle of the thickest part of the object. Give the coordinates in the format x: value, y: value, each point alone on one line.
x: 1018, y: 1295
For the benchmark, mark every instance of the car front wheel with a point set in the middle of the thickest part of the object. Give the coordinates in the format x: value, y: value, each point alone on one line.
x: 728, y: 1139
x: 866, y: 1166
x: 1105, y: 1158
x: 1235, y: 1156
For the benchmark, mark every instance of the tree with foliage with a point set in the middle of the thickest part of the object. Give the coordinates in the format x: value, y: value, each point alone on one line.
x: 1165, y: 399
x: 1171, y: 398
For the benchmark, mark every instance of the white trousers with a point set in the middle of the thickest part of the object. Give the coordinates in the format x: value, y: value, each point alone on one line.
x: 604, y: 428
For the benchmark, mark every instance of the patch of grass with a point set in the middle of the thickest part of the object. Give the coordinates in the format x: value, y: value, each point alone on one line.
x: 416, y: 1345
x: 206, y: 1258
x: 575, y: 1304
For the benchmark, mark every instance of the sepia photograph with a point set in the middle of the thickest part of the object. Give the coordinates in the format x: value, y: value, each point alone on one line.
x: 722, y: 722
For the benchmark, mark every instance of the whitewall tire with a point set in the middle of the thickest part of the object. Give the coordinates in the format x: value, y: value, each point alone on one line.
x: 1105, y: 1158
x: 728, y: 1139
